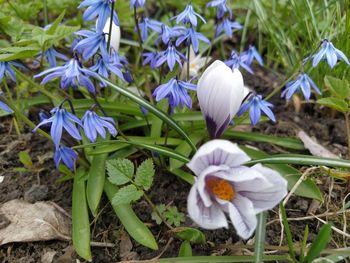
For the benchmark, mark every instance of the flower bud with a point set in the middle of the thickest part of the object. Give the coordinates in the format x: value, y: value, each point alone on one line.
x: 115, y: 40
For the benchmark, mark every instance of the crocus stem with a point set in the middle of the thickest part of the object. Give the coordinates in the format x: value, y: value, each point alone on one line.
x: 46, y: 19
x: 347, y: 123
x: 110, y: 26
x: 188, y: 61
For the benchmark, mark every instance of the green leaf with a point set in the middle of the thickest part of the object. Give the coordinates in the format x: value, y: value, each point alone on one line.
x: 127, y: 195
x: 144, y: 174
x: 120, y: 171
x: 185, y: 249
x: 161, y: 209
x: 321, y: 241
x: 288, y: 232
x: 56, y: 23
x: 338, y: 87
x: 173, y: 216
x: 224, y: 259
x: 25, y: 159
x: 260, y: 237
x: 192, y: 235
x: 334, y: 103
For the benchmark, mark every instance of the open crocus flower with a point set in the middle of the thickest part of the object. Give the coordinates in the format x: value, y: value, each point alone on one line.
x: 224, y: 185
x: 220, y: 92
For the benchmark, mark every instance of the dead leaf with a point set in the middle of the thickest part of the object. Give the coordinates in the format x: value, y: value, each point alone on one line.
x: 68, y: 255
x: 125, y: 245
x: 314, y: 147
x: 48, y: 256
x: 33, y: 222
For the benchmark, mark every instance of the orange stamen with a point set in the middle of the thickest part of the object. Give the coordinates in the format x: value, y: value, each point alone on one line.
x: 221, y: 188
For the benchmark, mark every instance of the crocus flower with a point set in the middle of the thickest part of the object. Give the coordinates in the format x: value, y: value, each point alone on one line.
x: 225, y: 186
x: 100, y: 9
x: 94, y: 124
x: 235, y: 62
x: 168, y: 33
x: 65, y: 154
x: 191, y: 37
x: 6, y: 69
x: 221, y: 7
x: 227, y: 26
x: 92, y: 42
x: 330, y: 53
x: 176, y: 92
x: 60, y: 119
x: 303, y: 83
x: 72, y: 74
x: 248, y: 56
x: 220, y: 94
x: 150, y: 58
x: 171, y: 56
x: 256, y: 105
x: 50, y: 56
x: 188, y: 16
x: 3, y: 106
x: 115, y: 40
x: 196, y: 63
x: 148, y: 24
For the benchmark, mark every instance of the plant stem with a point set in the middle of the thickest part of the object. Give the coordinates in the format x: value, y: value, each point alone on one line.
x: 188, y: 61
x: 347, y: 123
x: 46, y: 19
x: 110, y: 26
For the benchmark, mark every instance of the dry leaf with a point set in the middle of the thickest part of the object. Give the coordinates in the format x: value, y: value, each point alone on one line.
x: 33, y: 222
x: 48, y: 256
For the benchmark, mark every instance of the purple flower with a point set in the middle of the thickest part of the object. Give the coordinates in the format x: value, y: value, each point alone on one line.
x: 303, y: 83
x: 330, y: 53
x: 255, y: 105
x: 191, y: 37
x: 65, y: 154
x: 176, y: 92
x: 94, y: 41
x: 150, y: 58
x: 223, y: 185
x: 227, y: 26
x: 6, y: 69
x: 93, y: 124
x: 248, y: 56
x: 148, y: 24
x: 60, y: 119
x: 50, y: 56
x: 72, y: 74
x: 221, y: 8
x: 168, y: 33
x: 3, y: 106
x: 188, y: 16
x: 236, y: 61
x: 100, y: 9
x: 171, y: 56
x: 137, y: 3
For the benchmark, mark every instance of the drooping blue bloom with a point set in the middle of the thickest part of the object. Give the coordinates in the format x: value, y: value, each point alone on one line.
x: 176, y: 93
x: 149, y: 24
x: 191, y: 37
x: 60, y: 119
x: 6, y: 69
x: 303, y: 83
x: 171, y: 56
x: 227, y: 26
x: 4, y: 107
x: 236, y: 61
x: 93, y: 124
x: 221, y: 8
x: 72, y: 74
x: 188, y: 16
x: 150, y: 58
x: 100, y: 9
x: 168, y: 33
x: 92, y: 42
x: 65, y: 154
x: 256, y: 105
x: 137, y: 3
x: 50, y: 56
x: 248, y: 56
x: 329, y: 53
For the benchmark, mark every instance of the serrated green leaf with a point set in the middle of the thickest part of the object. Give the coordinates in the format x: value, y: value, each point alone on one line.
x: 144, y: 174
x: 334, y: 103
x: 25, y: 159
x: 161, y: 209
x: 127, y: 195
x: 192, y: 235
x: 338, y: 87
x: 173, y: 216
x: 120, y: 171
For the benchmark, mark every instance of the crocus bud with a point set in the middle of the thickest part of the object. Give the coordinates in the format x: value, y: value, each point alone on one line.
x: 115, y: 40
x: 220, y: 93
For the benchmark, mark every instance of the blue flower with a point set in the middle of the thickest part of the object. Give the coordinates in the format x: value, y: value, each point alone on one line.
x: 72, y: 74
x: 93, y: 124
x: 6, y: 69
x: 50, y: 56
x: 227, y: 26
x: 148, y: 24
x: 329, y: 52
x: 221, y: 8
x: 192, y: 38
x: 3, y: 106
x: 248, y: 56
x: 137, y: 3
x: 255, y: 105
x: 188, y: 16
x: 303, y: 83
x: 171, y: 56
x: 236, y: 61
x: 65, y: 154
x: 100, y: 9
x: 94, y: 41
x: 150, y: 58
x: 60, y: 119
x: 167, y: 33
x: 176, y: 93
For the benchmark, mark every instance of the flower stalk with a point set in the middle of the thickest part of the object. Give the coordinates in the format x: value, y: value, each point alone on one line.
x: 110, y: 27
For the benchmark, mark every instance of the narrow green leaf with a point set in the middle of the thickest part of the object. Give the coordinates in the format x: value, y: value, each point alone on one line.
x: 144, y: 174
x: 334, y: 103
x: 260, y: 235
x: 338, y: 87
x: 304, y: 244
x: 120, y: 171
x: 187, y: 177
x: 127, y: 195
x: 321, y: 241
x: 191, y: 235
x: 222, y: 259
x: 288, y: 233
x: 56, y: 23
x: 25, y: 158
x: 185, y: 249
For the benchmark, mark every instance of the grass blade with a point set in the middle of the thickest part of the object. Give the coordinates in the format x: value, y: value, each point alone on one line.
x: 288, y: 233
x: 260, y: 234
x: 322, y: 239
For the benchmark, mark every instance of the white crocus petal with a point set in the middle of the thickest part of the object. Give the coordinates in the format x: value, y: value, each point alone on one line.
x: 196, y: 63
x: 212, y: 217
x: 246, y: 91
x: 220, y: 95
x: 115, y: 40
x: 217, y: 152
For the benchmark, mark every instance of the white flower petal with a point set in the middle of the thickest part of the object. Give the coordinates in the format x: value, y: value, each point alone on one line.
x: 217, y: 152
x: 115, y: 40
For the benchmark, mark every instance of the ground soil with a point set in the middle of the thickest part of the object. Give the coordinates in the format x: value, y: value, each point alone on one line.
x: 167, y: 189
